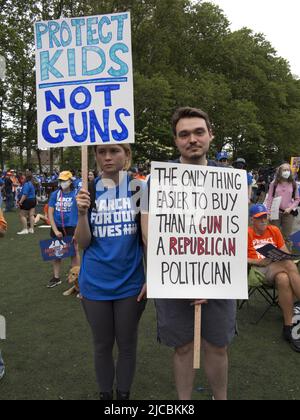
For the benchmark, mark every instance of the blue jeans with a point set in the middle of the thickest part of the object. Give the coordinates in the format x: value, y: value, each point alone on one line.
x: 9, y: 202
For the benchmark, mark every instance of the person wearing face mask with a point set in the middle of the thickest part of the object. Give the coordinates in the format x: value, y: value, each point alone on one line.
x: 284, y: 186
x: 283, y: 275
x: 63, y: 216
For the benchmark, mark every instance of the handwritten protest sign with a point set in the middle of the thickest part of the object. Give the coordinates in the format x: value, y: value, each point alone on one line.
x: 198, y: 237
x: 84, y: 81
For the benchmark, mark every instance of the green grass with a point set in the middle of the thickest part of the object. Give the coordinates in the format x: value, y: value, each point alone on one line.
x: 49, y: 356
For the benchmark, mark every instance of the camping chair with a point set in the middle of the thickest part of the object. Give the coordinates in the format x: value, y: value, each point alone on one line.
x: 256, y: 284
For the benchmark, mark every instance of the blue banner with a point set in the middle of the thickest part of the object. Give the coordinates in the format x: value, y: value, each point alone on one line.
x: 57, y: 249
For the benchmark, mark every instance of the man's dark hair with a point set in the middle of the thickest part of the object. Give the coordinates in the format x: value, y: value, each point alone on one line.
x: 188, y: 112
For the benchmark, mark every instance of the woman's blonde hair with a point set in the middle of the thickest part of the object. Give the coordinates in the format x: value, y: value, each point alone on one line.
x: 128, y: 151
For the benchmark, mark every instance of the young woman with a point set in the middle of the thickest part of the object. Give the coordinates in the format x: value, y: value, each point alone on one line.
x: 284, y: 186
x: 112, y: 280
x: 63, y: 216
x: 27, y: 204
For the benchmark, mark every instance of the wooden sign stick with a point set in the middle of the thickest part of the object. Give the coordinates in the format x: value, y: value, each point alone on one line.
x: 197, y: 337
x: 84, y: 167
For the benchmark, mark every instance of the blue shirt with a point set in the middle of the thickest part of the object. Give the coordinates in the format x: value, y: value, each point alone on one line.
x: 28, y: 190
x: 65, y: 208
x: 112, y: 266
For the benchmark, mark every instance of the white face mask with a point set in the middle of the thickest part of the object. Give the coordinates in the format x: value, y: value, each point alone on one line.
x: 65, y: 185
x: 286, y: 174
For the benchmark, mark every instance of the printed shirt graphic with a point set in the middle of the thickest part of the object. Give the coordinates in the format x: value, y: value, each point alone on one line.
x: 271, y: 236
x: 112, y: 266
x: 65, y: 208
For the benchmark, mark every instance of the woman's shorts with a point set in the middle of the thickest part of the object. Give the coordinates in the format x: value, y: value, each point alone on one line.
x: 176, y: 320
x: 28, y: 205
x: 67, y: 231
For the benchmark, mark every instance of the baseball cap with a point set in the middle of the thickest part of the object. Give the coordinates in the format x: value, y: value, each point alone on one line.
x: 258, y: 210
x: 222, y: 155
x: 240, y: 160
x: 65, y: 176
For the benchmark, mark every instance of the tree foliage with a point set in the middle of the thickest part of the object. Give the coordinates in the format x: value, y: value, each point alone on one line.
x: 184, y: 54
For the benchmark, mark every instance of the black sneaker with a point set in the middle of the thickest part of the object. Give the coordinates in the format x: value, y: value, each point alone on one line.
x: 122, y: 395
x: 106, y: 396
x: 292, y: 336
x: 53, y: 283
x: 297, y: 308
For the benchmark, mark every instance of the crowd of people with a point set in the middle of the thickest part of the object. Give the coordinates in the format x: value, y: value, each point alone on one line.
x: 112, y: 230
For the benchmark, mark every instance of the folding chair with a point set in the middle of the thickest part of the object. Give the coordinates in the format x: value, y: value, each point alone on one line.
x: 256, y: 285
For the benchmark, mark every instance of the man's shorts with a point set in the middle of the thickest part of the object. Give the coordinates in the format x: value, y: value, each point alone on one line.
x: 176, y: 320
x: 276, y: 267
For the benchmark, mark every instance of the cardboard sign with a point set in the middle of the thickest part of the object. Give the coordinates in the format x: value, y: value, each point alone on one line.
x: 272, y: 253
x: 198, y: 232
x: 56, y: 249
x: 84, y: 81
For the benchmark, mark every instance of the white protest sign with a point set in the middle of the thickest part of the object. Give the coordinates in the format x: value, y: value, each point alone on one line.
x: 84, y: 81
x: 198, y: 232
x: 275, y: 209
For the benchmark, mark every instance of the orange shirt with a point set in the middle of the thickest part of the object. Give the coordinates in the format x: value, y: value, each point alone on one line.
x: 3, y: 224
x: 271, y: 236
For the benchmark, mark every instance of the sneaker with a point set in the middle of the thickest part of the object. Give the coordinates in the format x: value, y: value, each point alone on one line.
x: 30, y: 230
x: 291, y: 335
x: 106, y: 396
x: 23, y: 232
x: 53, y: 283
x: 297, y: 308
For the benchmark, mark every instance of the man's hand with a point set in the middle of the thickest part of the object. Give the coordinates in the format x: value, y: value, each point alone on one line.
x: 83, y: 200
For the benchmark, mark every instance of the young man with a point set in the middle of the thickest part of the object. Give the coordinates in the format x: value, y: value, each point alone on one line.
x: 3, y: 227
x: 193, y: 136
x: 283, y: 275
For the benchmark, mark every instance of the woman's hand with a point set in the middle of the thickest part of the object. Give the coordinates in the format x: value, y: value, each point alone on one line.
x: 288, y: 211
x: 143, y: 294
x: 83, y: 200
x: 58, y: 234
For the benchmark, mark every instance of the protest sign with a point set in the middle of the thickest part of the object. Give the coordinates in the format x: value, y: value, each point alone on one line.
x: 57, y: 249
x: 295, y: 238
x: 295, y: 164
x: 198, y: 232
x: 84, y: 81
x: 272, y: 253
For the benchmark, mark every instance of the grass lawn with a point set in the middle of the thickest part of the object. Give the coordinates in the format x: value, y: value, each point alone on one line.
x: 48, y: 350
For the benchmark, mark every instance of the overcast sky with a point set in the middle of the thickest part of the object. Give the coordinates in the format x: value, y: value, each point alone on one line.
x: 278, y: 20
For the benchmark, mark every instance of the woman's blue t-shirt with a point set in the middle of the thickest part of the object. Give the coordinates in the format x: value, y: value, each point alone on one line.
x: 112, y: 266
x: 65, y: 208
x: 28, y: 190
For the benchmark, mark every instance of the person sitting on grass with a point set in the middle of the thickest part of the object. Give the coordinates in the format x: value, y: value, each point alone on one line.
x: 3, y: 228
x: 283, y: 275
x: 44, y: 218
